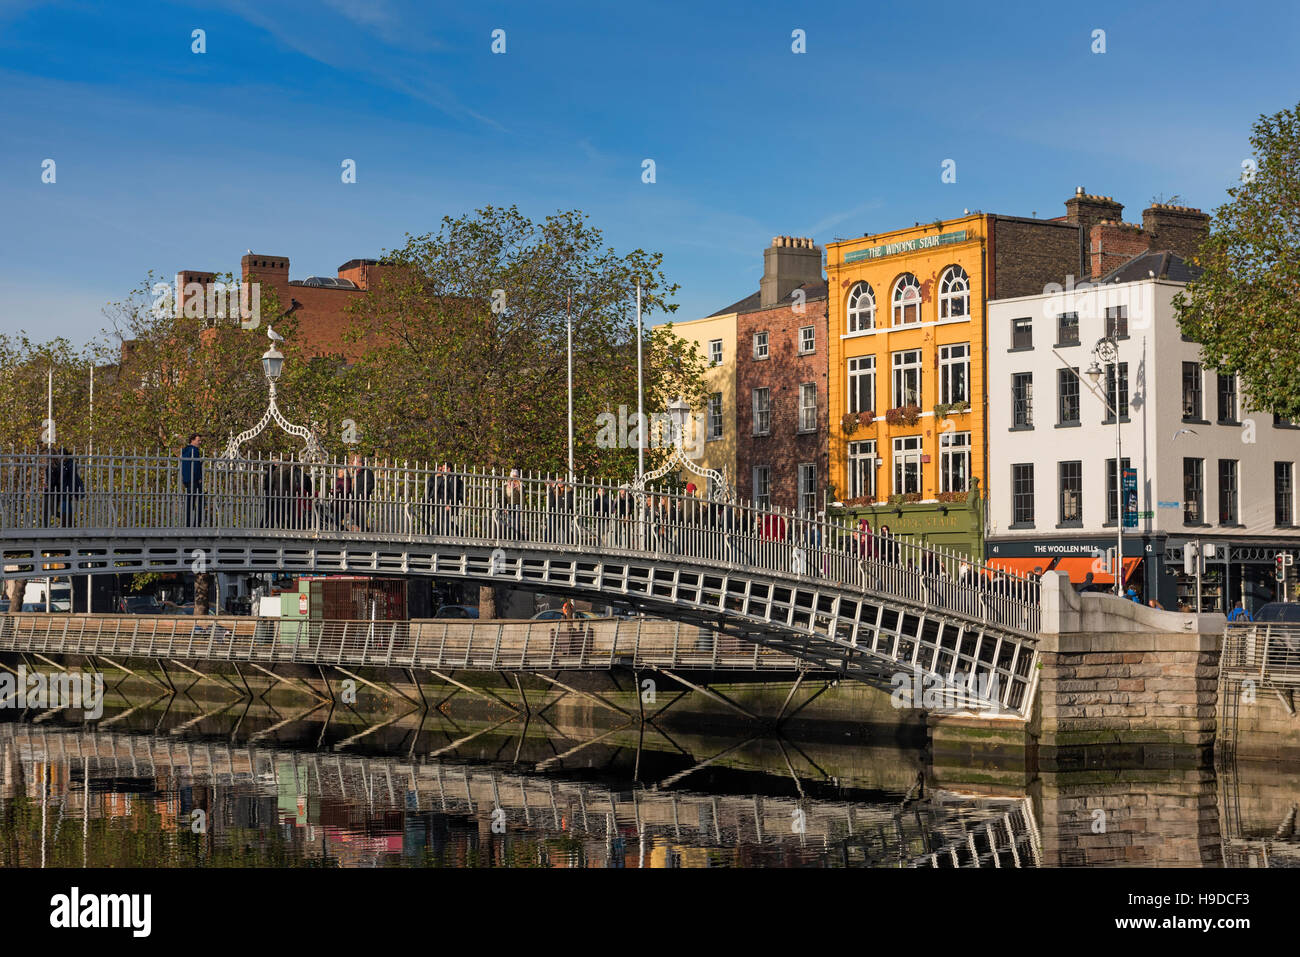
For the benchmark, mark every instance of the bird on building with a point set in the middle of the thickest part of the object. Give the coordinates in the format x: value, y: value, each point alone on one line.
x: 1185, y: 432
x: 273, y: 335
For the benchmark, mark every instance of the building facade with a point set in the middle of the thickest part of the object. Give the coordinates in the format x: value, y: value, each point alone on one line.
x: 1205, y: 469
x: 715, y: 338
x: 781, y: 356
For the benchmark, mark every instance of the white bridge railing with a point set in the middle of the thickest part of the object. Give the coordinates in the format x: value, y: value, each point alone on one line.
x: 124, y: 494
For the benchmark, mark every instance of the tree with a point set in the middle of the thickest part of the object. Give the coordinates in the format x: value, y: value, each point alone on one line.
x: 1244, y: 308
x: 466, y: 356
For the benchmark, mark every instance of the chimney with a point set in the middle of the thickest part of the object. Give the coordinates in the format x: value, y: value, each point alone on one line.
x: 273, y: 269
x: 1084, y: 209
x: 1112, y: 244
x: 1179, y: 229
x: 790, y: 262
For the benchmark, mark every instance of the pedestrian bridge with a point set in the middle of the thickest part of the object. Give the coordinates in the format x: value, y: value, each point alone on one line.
x: 871, y: 607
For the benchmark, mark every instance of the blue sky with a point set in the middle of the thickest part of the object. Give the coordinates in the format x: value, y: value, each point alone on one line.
x: 167, y: 159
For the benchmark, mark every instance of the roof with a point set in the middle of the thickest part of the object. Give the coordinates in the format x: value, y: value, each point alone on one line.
x: 1157, y: 263
x: 754, y: 301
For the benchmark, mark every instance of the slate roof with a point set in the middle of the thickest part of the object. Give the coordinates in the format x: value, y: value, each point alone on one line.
x: 1164, y: 263
x: 753, y: 302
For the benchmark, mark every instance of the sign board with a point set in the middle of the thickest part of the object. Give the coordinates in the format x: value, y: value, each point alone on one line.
x: 1129, y: 488
x: 906, y: 246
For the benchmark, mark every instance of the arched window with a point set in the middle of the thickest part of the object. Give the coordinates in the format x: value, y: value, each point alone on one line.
x: 954, y: 294
x: 862, y: 308
x: 907, y: 300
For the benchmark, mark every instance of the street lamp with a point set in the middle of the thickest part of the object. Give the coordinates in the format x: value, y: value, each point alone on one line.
x: 679, y: 411
x: 1107, y: 350
x: 272, y: 366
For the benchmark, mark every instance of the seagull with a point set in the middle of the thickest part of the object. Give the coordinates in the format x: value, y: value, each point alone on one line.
x: 276, y: 337
x: 1184, y: 432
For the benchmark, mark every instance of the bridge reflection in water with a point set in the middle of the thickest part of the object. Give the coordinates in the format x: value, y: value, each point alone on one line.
x: 75, y: 797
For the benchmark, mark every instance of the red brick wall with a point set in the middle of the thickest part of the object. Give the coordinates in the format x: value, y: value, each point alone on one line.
x: 322, y: 319
x: 1111, y: 245
x: 784, y: 448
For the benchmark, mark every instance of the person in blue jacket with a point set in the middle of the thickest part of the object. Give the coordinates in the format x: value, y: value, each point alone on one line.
x: 192, y: 480
x: 1239, y: 613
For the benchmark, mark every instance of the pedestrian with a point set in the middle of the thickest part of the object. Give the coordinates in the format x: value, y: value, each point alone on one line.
x: 342, y: 498
x: 887, y: 549
x: 275, y: 487
x: 1133, y: 596
x: 1086, y: 585
x: 192, y: 480
x: 1155, y: 604
x: 1239, y: 613
x: 63, y: 487
x: 446, y: 494
x: 624, y: 511
x: 602, y: 507
x: 512, y: 506
x: 363, y: 489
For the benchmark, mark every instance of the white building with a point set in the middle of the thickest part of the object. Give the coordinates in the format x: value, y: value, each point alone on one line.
x: 1207, y: 468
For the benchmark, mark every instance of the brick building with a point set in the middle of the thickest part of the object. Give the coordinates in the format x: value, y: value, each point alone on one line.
x: 781, y: 355
x: 323, y: 300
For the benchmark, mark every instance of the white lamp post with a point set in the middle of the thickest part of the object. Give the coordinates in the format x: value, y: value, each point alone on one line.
x: 272, y: 366
x: 1107, y: 350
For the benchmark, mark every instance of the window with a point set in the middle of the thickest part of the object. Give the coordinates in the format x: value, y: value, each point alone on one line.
x: 1022, y: 494
x: 1228, y: 399
x: 1282, y: 422
x: 1192, y: 391
x: 1112, y: 482
x: 1067, y: 329
x: 808, y: 407
x: 1067, y: 396
x: 954, y: 294
x: 715, y: 416
x: 1022, y: 333
x: 862, y: 469
x: 862, y: 308
x: 907, y: 378
x: 862, y: 384
x: 762, y: 411
x: 907, y: 464
x: 1117, y: 322
x: 954, y: 462
x: 1283, y: 494
x: 954, y: 373
x: 1228, y: 492
x: 762, y: 486
x: 760, y: 345
x: 1193, y: 490
x: 1071, y: 482
x: 1022, y: 400
x: 907, y: 300
x: 715, y: 352
x: 807, y: 339
x: 1119, y: 401
x: 807, y: 486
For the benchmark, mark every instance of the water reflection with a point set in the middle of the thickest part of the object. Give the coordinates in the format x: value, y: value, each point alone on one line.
x: 74, y: 797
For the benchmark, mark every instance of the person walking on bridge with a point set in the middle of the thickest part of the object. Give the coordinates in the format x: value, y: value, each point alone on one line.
x: 363, y: 488
x: 63, y: 487
x: 192, y: 480
x: 446, y: 494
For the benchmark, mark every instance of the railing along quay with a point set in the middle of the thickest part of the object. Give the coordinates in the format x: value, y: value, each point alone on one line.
x: 125, y: 495
x: 581, y: 644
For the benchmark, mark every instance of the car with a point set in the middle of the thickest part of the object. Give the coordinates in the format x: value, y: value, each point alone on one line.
x: 139, y: 605
x: 554, y: 614
x: 457, y: 611
x: 60, y: 596
x: 1282, y: 611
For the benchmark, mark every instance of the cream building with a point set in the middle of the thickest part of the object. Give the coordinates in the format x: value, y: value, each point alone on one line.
x: 715, y: 337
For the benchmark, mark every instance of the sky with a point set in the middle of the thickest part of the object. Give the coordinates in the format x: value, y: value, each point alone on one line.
x: 167, y: 159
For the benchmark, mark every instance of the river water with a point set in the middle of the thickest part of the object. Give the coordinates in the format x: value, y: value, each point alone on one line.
x: 149, y: 787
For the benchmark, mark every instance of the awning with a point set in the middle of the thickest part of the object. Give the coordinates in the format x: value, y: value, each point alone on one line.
x: 1078, y: 569
x: 1020, y: 566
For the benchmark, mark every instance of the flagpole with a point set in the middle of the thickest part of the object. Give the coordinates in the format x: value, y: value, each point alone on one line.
x: 640, y: 410
x: 568, y: 315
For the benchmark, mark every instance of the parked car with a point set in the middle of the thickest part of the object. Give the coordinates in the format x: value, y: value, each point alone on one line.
x: 554, y: 614
x: 1284, y: 611
x: 456, y: 611
x: 139, y: 605
x: 60, y: 596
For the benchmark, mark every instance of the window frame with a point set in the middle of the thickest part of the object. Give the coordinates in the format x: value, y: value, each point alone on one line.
x: 715, y: 362
x: 1022, y: 334
x: 856, y: 312
x: 950, y: 450
x: 1230, y: 491
x: 947, y: 363
x: 1197, y: 486
x: 1074, y: 468
x: 1022, y: 406
x: 1022, y: 495
x: 806, y: 411
x: 901, y: 373
x: 904, y: 457
x: 954, y: 287
x: 761, y: 338
x: 1193, y: 375
x: 1284, y: 495
x: 765, y: 411
x: 763, y: 500
x: 712, y: 434
x: 1061, y: 341
x: 856, y: 372
x: 902, y: 301
x: 861, y: 464
x: 1068, y: 377
x: 808, y: 343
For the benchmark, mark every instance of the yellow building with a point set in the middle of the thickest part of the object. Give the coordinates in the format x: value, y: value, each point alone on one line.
x: 715, y: 337
x: 906, y: 380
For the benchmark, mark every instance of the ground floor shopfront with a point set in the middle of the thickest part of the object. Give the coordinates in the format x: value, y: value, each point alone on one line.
x: 957, y: 526
x: 1239, y: 568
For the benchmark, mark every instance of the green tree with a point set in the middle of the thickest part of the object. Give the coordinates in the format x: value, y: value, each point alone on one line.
x: 466, y: 342
x: 1244, y: 309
